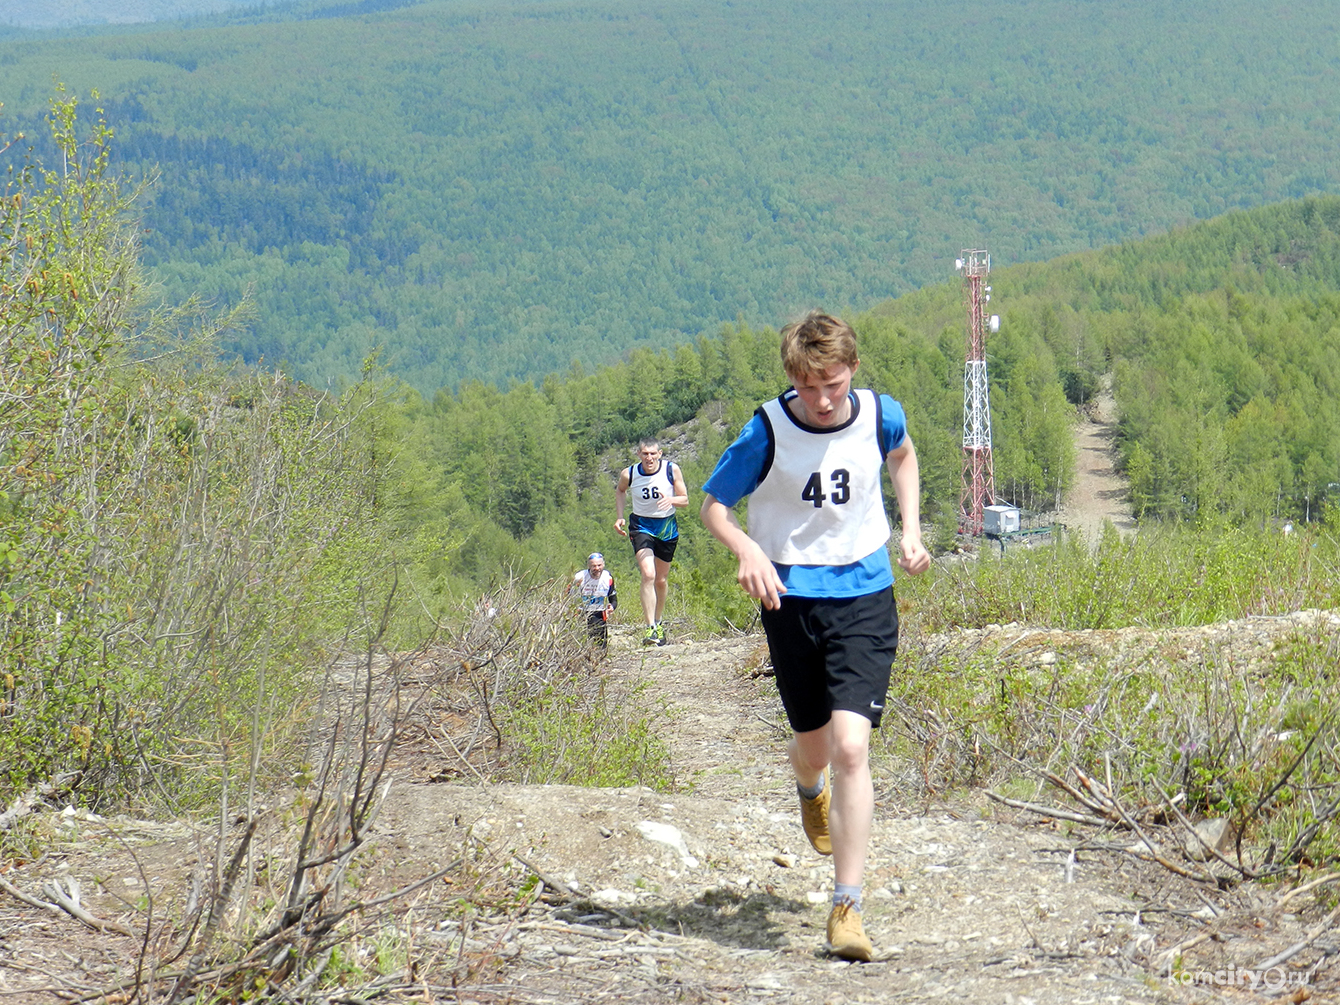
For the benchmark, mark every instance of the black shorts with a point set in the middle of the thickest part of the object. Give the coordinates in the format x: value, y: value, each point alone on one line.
x: 598, y: 628
x: 832, y: 654
x: 664, y: 550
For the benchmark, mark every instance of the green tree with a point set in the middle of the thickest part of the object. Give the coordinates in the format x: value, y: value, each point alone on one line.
x: 508, y: 454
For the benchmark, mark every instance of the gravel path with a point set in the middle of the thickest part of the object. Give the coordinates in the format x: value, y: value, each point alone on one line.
x: 1100, y: 493
x: 710, y: 893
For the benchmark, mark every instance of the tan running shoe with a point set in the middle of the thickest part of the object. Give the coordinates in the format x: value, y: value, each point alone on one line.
x: 814, y: 817
x: 846, y: 938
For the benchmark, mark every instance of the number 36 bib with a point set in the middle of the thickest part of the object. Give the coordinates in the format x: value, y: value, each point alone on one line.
x: 819, y: 501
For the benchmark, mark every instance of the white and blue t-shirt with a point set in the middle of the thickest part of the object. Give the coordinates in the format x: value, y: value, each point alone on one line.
x: 817, y: 505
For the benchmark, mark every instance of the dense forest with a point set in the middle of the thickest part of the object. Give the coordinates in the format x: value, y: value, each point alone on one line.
x: 490, y: 191
x: 1221, y: 340
x: 226, y: 596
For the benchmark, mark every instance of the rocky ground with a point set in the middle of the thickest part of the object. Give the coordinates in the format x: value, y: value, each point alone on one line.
x: 711, y: 892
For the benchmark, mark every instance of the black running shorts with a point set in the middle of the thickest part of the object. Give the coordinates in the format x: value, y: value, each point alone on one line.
x: 664, y: 550
x: 832, y: 654
x: 598, y: 628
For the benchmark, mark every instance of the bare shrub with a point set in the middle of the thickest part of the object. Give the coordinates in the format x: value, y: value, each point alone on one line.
x: 179, y: 540
x: 1162, y: 728
x: 518, y: 693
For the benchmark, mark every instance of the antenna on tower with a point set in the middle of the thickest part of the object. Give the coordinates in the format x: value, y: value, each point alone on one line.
x: 979, y: 485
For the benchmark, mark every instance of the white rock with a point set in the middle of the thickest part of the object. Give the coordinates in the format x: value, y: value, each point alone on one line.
x: 668, y: 835
x: 1218, y: 833
x: 614, y: 898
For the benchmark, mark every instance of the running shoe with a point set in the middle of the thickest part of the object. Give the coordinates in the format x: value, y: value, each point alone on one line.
x: 660, y: 634
x: 650, y: 639
x: 814, y: 818
x: 846, y: 937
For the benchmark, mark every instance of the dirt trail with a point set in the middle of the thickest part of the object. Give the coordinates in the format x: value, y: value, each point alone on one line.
x: 964, y: 904
x: 712, y: 894
x: 1099, y: 494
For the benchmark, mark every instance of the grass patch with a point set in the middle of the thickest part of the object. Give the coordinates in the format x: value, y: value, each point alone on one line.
x: 581, y: 733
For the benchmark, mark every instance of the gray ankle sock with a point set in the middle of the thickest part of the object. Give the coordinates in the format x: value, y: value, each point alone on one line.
x: 814, y: 792
x: 847, y: 893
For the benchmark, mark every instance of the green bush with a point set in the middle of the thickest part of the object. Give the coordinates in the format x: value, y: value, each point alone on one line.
x: 178, y: 539
x: 1164, y: 577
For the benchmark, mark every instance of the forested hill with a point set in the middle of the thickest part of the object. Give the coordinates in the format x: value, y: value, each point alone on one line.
x: 1222, y: 339
x: 494, y: 190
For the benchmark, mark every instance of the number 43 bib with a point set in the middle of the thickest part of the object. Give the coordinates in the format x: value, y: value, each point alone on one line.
x: 819, y: 501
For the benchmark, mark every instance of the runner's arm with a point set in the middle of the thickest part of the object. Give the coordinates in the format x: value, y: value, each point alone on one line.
x: 681, y: 496
x: 620, y: 498
x: 757, y: 576
x: 905, y: 474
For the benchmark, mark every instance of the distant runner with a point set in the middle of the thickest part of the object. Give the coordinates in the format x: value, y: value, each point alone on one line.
x: 658, y: 489
x: 595, y: 586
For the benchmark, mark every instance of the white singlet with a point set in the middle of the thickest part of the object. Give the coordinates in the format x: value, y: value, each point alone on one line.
x: 594, y: 590
x: 647, y: 491
x: 821, y: 502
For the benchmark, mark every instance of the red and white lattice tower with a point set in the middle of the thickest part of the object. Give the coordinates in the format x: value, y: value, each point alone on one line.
x: 979, y: 486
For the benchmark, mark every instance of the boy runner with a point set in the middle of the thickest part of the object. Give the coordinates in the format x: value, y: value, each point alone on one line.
x: 658, y: 489
x: 816, y: 557
x: 595, y: 587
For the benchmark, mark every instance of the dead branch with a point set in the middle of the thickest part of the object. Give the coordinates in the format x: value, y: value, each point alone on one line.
x: 1269, y: 793
x: 216, y: 910
x: 1100, y: 803
x: 1103, y: 802
x: 1297, y: 891
x: 19, y: 895
x: 1245, y: 872
x: 1156, y: 856
x: 66, y: 894
x: 1049, y: 811
x: 1304, y: 839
